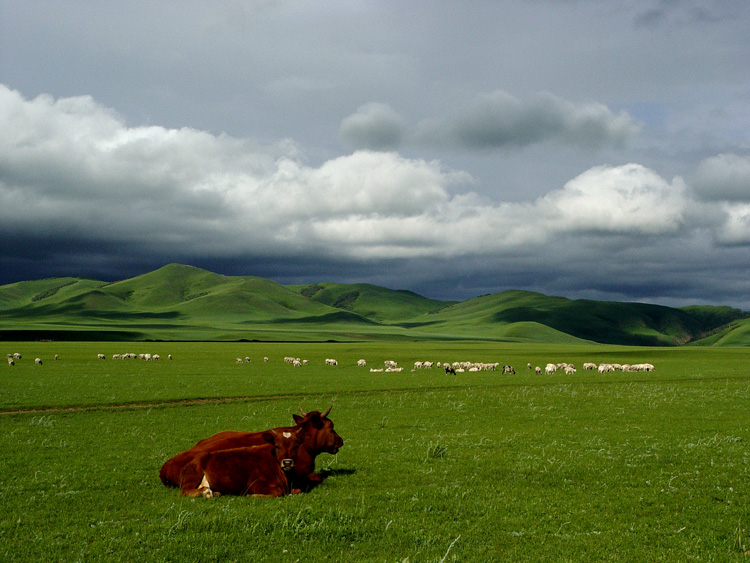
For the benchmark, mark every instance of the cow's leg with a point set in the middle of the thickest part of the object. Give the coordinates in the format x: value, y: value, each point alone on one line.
x: 263, y: 488
x: 202, y: 490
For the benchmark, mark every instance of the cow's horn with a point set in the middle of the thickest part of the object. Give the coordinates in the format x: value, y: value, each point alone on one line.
x: 325, y: 414
x: 303, y: 412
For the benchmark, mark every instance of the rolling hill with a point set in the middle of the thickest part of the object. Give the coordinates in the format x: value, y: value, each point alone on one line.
x: 178, y: 302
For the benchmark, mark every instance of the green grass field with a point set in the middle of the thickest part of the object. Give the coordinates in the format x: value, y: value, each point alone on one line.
x: 646, y: 466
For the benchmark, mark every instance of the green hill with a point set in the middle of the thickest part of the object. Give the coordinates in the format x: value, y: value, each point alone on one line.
x: 597, y: 321
x: 371, y: 301
x: 179, y: 302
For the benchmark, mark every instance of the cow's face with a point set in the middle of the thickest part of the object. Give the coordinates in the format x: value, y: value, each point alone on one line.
x: 320, y: 427
x: 286, y: 444
x: 328, y: 440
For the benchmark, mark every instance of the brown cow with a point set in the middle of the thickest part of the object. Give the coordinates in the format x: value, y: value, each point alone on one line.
x: 317, y: 436
x: 256, y: 470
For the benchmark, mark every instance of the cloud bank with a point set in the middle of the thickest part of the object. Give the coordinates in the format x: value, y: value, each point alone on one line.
x: 76, y: 179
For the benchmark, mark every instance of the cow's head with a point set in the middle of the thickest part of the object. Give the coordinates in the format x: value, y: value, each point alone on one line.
x: 286, y: 444
x: 319, y: 431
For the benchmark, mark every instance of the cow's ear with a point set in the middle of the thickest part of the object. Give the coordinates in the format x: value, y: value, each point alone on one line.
x: 269, y: 437
x: 297, y: 418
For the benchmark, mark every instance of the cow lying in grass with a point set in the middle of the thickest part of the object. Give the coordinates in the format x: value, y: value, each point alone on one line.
x: 315, y: 432
x: 255, y: 470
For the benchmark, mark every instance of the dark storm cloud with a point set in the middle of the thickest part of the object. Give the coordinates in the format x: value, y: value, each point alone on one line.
x: 500, y: 120
x: 495, y: 120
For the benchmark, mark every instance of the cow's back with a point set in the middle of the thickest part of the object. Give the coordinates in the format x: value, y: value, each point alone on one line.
x: 226, y: 440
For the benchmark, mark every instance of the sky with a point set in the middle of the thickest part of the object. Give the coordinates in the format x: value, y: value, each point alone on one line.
x: 595, y: 149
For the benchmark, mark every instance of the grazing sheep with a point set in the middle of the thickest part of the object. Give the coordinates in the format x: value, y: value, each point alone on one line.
x: 550, y: 369
x: 361, y: 363
x: 11, y: 362
x: 38, y: 361
x: 101, y: 356
x: 265, y: 359
x: 509, y: 369
x: 538, y: 370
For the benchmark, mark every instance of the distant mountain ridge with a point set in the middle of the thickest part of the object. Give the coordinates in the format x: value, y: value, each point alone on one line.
x: 179, y: 302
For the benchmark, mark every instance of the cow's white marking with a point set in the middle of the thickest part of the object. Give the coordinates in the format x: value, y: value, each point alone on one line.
x: 286, y: 434
x: 208, y: 493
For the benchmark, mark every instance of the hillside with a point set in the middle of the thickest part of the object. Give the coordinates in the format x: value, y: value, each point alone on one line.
x: 179, y: 302
x: 371, y: 301
x: 596, y: 321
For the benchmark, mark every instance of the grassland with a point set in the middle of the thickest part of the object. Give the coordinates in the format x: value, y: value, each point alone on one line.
x: 479, y: 467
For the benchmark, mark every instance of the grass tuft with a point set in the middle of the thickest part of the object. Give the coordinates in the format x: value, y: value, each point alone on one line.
x: 436, y: 450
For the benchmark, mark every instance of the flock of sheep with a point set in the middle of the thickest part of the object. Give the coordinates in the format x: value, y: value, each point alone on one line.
x: 13, y: 358
x: 133, y: 356
x: 392, y: 366
x: 570, y: 369
x: 460, y: 367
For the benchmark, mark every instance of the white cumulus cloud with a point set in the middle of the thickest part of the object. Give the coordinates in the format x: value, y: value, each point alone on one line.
x: 617, y: 199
